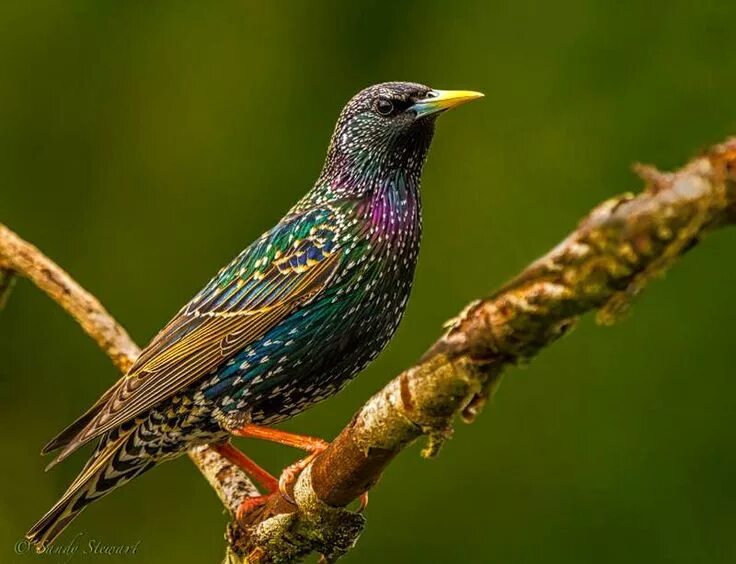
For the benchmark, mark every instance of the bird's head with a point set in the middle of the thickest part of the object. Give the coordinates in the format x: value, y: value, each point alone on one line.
x: 387, y: 128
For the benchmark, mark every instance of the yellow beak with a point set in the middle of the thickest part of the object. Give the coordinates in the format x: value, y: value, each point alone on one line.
x: 441, y: 100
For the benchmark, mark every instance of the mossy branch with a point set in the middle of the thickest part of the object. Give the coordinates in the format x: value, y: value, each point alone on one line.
x: 612, y: 255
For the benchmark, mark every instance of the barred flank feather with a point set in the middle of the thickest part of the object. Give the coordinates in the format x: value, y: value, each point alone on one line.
x: 109, y: 468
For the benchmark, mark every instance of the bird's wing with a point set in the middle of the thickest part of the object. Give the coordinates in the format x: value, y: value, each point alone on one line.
x: 282, y: 270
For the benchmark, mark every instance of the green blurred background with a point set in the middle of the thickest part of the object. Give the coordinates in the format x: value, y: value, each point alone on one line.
x: 143, y: 144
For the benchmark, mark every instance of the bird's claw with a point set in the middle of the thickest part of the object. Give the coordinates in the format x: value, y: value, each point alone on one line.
x: 249, y: 504
x: 291, y: 473
x: 363, y: 502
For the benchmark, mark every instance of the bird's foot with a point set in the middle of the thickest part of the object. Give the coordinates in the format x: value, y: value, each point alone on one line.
x: 313, y: 445
x: 284, y: 484
x: 249, y: 504
x: 291, y: 473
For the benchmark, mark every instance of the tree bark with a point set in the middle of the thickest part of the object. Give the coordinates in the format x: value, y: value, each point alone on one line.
x: 601, y: 266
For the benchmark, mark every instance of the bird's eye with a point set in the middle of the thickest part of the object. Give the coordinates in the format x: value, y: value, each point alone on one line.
x: 384, y: 106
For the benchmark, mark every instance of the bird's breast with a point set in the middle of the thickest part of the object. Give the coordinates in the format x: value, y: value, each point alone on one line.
x: 316, y: 350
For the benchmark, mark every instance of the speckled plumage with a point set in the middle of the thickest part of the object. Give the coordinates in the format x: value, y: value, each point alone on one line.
x: 287, y: 323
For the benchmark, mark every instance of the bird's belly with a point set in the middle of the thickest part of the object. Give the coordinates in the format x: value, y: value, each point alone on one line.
x: 309, y: 357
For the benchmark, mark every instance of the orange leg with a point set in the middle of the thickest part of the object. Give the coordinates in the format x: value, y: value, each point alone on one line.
x: 247, y: 465
x: 303, y: 442
x: 312, y: 445
x: 252, y: 470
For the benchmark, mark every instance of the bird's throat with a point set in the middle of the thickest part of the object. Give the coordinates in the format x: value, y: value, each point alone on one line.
x: 393, y: 208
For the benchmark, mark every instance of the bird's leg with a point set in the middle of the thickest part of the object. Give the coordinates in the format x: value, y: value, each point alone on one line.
x: 313, y: 445
x: 253, y: 471
x: 247, y: 465
x: 303, y: 442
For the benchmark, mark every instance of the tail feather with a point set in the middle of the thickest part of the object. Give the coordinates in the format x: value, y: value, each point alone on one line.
x: 70, y: 432
x: 109, y: 468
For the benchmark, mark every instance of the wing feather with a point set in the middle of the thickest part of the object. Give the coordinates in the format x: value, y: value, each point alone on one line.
x: 210, y: 330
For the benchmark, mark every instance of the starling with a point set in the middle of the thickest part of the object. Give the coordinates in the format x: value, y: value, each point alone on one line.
x: 289, y: 322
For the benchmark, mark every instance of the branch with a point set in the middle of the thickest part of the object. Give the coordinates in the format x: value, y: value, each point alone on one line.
x: 19, y: 257
x: 615, y: 251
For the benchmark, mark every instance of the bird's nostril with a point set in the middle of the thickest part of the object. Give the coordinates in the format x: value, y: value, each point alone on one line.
x: 431, y: 94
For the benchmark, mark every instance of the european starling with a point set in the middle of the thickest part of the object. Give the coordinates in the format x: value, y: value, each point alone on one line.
x: 287, y: 323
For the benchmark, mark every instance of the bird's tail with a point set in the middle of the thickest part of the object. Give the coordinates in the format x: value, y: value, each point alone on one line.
x: 109, y: 468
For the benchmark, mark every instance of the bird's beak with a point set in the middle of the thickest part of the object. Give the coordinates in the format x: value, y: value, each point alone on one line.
x: 441, y: 100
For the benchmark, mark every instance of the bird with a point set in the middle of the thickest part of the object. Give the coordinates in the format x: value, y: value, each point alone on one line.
x: 287, y: 323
